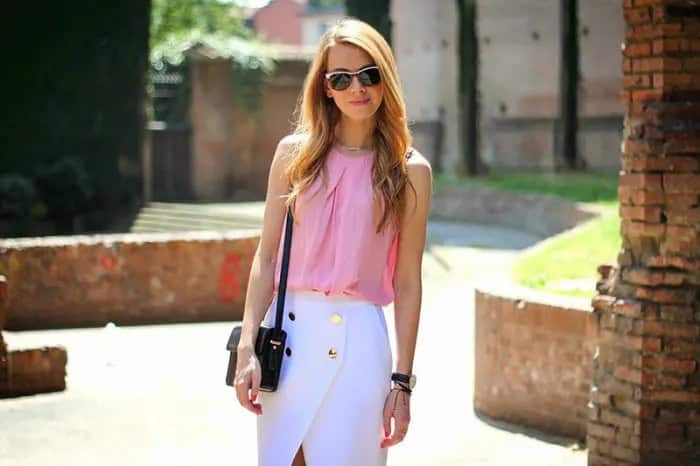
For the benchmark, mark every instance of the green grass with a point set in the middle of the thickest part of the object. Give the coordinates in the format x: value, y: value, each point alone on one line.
x: 579, y: 187
x: 574, y: 256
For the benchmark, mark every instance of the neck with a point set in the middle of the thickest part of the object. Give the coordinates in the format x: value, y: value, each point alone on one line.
x: 355, y: 133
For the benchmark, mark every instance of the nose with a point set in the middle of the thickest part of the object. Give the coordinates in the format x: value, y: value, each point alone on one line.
x: 356, y: 85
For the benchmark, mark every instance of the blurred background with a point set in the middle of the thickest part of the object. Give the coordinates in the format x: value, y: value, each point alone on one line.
x: 115, y: 106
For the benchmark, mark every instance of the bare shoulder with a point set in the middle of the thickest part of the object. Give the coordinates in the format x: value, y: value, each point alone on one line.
x: 288, y: 145
x: 419, y: 169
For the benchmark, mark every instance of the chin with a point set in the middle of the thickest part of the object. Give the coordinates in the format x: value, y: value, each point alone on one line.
x: 354, y: 114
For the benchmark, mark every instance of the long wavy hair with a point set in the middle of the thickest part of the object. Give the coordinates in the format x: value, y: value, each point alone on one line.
x: 317, y: 117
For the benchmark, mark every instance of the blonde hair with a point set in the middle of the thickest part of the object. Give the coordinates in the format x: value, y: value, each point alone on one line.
x: 317, y: 117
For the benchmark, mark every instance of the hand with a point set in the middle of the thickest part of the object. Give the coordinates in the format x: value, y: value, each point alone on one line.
x: 247, y: 380
x: 398, y: 406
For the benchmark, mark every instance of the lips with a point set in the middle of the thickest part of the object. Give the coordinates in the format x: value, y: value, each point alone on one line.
x: 359, y: 102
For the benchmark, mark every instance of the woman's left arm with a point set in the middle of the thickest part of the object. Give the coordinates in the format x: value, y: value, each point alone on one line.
x: 407, y: 278
x: 407, y: 292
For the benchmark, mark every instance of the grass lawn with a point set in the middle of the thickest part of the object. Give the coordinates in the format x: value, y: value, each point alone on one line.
x: 568, y: 264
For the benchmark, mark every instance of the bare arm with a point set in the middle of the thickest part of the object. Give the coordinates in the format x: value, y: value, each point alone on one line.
x: 261, y: 280
x: 407, y: 280
x: 408, y: 292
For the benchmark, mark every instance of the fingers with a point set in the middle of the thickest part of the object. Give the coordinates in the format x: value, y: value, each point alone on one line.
x: 396, y: 407
x: 247, y: 385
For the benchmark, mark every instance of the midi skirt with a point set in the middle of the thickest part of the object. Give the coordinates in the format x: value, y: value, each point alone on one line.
x: 335, y: 377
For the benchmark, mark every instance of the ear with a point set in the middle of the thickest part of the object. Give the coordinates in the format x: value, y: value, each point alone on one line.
x: 326, y: 87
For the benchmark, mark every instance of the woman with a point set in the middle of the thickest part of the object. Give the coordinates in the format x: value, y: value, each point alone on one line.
x: 360, y: 198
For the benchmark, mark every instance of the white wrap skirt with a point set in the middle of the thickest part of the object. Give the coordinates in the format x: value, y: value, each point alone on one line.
x: 335, y: 377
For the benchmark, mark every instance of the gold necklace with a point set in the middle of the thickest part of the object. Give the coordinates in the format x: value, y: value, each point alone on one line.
x: 353, y: 149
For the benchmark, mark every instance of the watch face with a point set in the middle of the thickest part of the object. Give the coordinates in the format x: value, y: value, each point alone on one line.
x: 412, y: 382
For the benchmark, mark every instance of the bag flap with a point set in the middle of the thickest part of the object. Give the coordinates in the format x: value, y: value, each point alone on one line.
x: 234, y: 338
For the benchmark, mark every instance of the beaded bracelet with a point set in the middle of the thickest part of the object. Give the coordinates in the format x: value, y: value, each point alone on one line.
x: 403, y: 389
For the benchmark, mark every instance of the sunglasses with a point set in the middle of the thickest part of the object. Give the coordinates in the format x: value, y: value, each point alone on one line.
x: 341, y: 80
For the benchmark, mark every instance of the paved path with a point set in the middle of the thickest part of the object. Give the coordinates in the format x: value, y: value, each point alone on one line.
x: 154, y: 395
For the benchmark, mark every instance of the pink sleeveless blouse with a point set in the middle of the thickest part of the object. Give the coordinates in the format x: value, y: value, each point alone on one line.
x: 335, y: 247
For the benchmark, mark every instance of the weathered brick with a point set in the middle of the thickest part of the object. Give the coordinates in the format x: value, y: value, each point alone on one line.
x: 646, y: 65
x: 643, y: 276
x: 632, y: 375
x: 628, y: 308
x: 675, y: 80
x: 602, y: 431
x: 664, y: 295
x: 627, y: 454
x: 682, y: 232
x: 642, y: 213
x: 692, y: 64
x: 603, y: 302
x: 630, y: 341
x: 663, y: 429
x: 680, y: 199
x: 666, y: 164
x: 651, y: 182
x: 637, y: 15
x: 684, y: 216
x: 638, y: 49
x: 636, y: 81
x: 678, y: 396
x: 637, y: 229
x: 682, y: 348
x: 684, y: 146
x: 670, y: 381
x: 608, y: 416
x: 659, y: 362
x: 677, y: 313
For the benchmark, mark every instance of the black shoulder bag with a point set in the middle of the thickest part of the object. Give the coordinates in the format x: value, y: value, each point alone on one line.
x: 270, y: 341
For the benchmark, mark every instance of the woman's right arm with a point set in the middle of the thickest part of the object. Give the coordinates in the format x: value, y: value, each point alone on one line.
x: 261, y: 279
x: 260, y: 289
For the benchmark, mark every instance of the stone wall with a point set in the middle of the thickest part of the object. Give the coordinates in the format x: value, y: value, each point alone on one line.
x: 232, y: 147
x: 425, y: 42
x: 645, y: 399
x: 519, y: 116
x: 533, y: 360
x: 536, y: 214
x: 76, y: 281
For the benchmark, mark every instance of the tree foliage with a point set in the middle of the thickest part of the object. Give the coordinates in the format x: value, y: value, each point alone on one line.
x: 176, y: 18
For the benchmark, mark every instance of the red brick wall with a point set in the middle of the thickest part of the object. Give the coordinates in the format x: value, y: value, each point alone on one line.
x: 533, y: 362
x: 75, y: 281
x: 35, y: 371
x: 280, y: 21
x: 3, y: 347
x: 232, y: 148
x: 646, y: 397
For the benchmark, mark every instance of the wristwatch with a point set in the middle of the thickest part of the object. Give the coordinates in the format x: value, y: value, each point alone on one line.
x: 404, y: 378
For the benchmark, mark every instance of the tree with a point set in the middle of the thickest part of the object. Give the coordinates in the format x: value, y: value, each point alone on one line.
x: 568, y: 87
x: 373, y: 12
x: 172, y: 18
x: 468, y: 77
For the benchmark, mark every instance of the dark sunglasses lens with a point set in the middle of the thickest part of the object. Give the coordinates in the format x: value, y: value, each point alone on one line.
x: 369, y: 77
x: 340, y: 81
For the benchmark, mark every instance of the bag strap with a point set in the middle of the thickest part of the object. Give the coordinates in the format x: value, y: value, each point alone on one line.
x: 282, y: 288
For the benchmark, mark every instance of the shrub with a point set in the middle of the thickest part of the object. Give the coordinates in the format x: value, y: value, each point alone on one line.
x: 18, y: 197
x: 65, y: 187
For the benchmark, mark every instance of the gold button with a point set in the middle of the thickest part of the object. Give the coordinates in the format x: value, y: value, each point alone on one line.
x: 336, y: 318
x: 332, y: 353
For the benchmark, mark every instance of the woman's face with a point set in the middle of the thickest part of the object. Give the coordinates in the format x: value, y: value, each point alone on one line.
x: 358, y: 101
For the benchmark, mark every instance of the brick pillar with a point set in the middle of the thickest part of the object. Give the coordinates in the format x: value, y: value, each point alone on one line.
x: 645, y: 397
x: 4, y: 366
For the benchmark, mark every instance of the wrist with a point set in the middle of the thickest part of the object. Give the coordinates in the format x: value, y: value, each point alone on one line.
x: 406, y: 380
